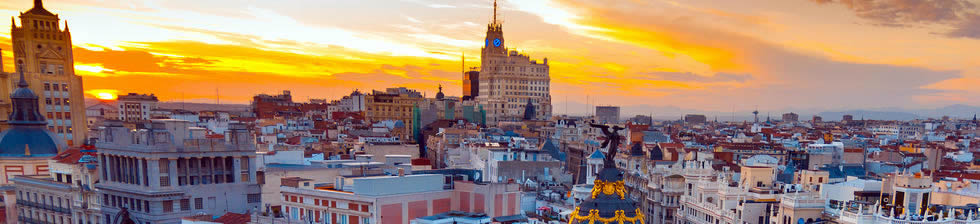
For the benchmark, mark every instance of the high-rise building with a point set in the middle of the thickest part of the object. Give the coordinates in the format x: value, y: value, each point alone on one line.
x: 607, y: 114
x: 393, y: 104
x: 43, y: 50
x: 136, y: 107
x: 791, y: 117
x: 471, y: 84
x: 509, y: 79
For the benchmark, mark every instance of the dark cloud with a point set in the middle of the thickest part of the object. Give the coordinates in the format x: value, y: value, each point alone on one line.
x: 691, y: 77
x: 904, y: 12
x: 969, y: 28
x: 961, y: 15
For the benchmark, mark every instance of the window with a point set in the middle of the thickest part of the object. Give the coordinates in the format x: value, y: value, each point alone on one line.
x: 164, y: 181
x: 47, y: 86
x: 199, y: 203
x: 254, y: 198
x: 55, y: 87
x: 47, y: 101
x: 64, y: 86
x: 185, y: 204
x: 168, y: 206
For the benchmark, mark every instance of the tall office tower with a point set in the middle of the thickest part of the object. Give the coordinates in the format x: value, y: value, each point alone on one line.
x: 43, y: 50
x: 509, y: 79
x: 471, y: 84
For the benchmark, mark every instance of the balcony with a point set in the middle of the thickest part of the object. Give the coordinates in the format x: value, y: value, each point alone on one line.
x: 53, y: 208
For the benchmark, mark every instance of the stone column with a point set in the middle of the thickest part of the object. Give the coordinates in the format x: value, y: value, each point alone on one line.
x: 236, y: 169
x: 108, y: 169
x: 153, y: 173
x: 140, y: 172
x: 173, y: 172
x: 104, y: 167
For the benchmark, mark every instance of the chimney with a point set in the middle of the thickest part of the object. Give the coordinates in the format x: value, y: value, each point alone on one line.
x: 401, y: 172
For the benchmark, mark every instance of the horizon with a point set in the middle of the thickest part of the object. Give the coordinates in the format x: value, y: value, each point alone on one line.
x: 698, y: 55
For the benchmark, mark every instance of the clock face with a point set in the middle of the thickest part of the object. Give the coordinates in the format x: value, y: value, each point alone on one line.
x: 496, y: 42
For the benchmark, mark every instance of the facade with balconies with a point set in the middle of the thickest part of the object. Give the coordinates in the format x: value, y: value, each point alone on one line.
x: 170, y: 169
x: 65, y: 195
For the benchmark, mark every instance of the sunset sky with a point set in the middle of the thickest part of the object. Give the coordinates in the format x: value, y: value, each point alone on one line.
x: 698, y: 54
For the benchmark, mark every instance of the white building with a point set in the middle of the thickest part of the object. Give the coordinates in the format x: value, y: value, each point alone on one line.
x: 136, y: 107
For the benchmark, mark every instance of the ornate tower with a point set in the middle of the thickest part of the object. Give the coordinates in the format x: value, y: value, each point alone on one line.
x: 43, y: 51
x: 608, y: 202
x: 494, y: 42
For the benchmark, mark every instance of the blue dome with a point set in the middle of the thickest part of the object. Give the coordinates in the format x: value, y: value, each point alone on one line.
x: 27, y: 136
x: 40, y: 142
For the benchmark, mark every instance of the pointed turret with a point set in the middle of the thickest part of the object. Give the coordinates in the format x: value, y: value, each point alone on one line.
x: 25, y: 104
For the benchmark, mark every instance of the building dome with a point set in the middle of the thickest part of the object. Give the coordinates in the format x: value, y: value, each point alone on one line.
x: 608, y: 202
x: 440, y: 95
x: 27, y: 136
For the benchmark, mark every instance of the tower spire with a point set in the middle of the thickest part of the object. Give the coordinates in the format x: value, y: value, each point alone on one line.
x: 494, y: 10
x: 23, y: 82
x: 38, y: 4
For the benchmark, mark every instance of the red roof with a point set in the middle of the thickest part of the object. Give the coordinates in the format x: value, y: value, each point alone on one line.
x: 234, y: 218
x: 71, y: 155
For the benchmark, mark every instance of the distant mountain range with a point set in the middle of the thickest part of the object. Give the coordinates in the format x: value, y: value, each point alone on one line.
x: 676, y: 113
x: 186, y: 106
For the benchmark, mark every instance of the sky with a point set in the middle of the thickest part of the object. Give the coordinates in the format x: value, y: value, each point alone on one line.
x: 697, y: 54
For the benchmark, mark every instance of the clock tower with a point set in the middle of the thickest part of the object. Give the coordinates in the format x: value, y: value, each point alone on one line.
x: 494, y: 43
x: 511, y: 81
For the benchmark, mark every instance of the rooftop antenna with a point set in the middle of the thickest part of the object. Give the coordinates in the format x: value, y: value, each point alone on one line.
x: 217, y: 96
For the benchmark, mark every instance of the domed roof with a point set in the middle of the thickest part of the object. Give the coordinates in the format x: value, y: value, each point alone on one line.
x: 27, y: 136
x: 440, y: 95
x: 29, y: 141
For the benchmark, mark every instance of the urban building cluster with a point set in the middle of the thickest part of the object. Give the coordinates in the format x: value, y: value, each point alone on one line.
x: 497, y: 154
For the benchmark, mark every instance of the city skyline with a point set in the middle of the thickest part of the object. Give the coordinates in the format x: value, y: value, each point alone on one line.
x: 700, y: 55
